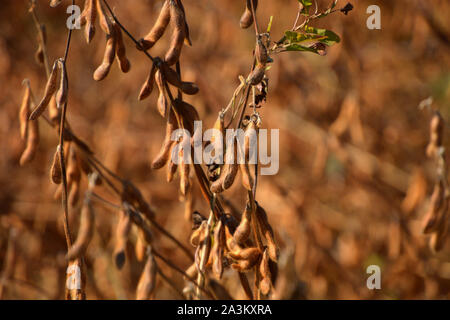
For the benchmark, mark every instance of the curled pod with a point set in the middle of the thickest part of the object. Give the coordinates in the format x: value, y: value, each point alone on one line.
x: 179, y: 34
x: 242, y: 232
x: 147, y: 281
x: 437, y: 204
x: 148, y: 85
x: 265, y: 285
x: 50, y: 89
x: 257, y: 75
x: 63, y: 90
x: 158, y: 28
x: 85, y: 231
x: 164, y: 154
x: 122, y: 231
x: 90, y: 17
x: 31, y: 144
x: 267, y: 232
x: 217, y: 250
x: 108, y: 58
x: 24, y: 112
x: 121, y: 51
x: 55, y: 171
x: 247, y: 16
x: 162, y: 103
x: 199, y: 234
x: 173, y: 78
x: 171, y: 170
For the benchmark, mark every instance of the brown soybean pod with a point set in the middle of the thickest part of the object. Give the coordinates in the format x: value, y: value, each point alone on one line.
x: 257, y: 75
x: 198, y: 235
x: 164, y: 155
x: 265, y: 284
x: 108, y: 58
x: 105, y: 23
x: 247, y: 16
x: 121, y: 51
x: 245, y: 254
x: 159, y: 27
x: 267, y: 232
x: 50, y: 89
x: 90, y: 18
x: 261, y: 53
x: 24, y: 112
x: 122, y: 230
x: 148, y: 85
x: 32, y: 143
x: 55, y: 171
x: 217, y: 250
x: 178, y: 35
x: 173, y: 78
x: 185, y: 183
x: 85, y: 232
x: 242, y: 232
x: 436, y: 134
x: 84, y: 13
x: 162, y: 103
x: 230, y: 174
x: 171, y: 170
x: 61, y: 95
x: 187, y: 40
x: 147, y: 282
x: 247, y: 179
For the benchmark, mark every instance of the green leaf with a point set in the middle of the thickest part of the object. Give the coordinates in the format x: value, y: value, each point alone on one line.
x: 298, y: 47
x: 306, y: 4
x: 323, y: 35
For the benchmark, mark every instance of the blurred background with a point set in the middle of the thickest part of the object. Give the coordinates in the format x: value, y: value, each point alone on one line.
x: 354, y: 181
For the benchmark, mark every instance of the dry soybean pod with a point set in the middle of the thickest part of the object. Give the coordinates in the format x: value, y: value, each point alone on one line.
x: 265, y: 284
x: 231, y: 170
x: 61, y: 95
x: 184, y: 167
x: 187, y: 40
x: 165, y: 153
x: 90, y: 18
x: 121, y: 51
x: 247, y: 16
x: 148, y: 85
x: 199, y: 234
x: 105, y: 22
x: 82, y: 18
x: 162, y: 103
x: 257, y: 75
x: 85, y: 231
x: 110, y: 52
x: 32, y: 143
x: 24, y: 112
x: 267, y: 232
x: 158, y: 28
x: 436, y: 203
x: 50, y: 89
x: 242, y: 232
x: 122, y: 231
x: 178, y: 35
x: 55, y: 171
x: 147, y: 281
x: 171, y: 170
x: 217, y: 249
x: 247, y: 179
x: 173, y: 78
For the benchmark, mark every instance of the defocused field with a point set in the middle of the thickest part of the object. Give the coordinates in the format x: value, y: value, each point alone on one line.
x: 354, y: 181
